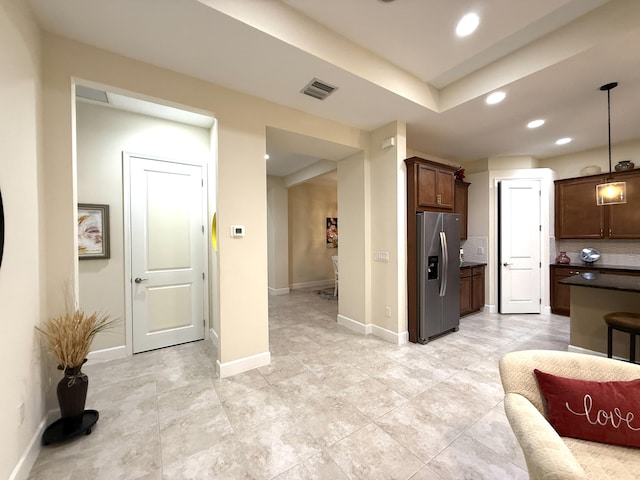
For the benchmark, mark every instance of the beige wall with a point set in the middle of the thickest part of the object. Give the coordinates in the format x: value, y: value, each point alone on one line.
x: 388, y: 232
x: 102, y: 134
x: 354, y: 301
x: 309, y: 258
x: 278, y: 235
x: 22, y: 296
x: 568, y: 166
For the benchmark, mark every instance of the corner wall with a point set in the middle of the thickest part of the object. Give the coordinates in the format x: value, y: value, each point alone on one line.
x: 22, y: 273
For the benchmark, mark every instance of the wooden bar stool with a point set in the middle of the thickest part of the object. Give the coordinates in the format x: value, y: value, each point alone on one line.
x: 625, y: 322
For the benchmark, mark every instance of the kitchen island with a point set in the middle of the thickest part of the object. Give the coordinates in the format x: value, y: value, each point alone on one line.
x: 592, y: 296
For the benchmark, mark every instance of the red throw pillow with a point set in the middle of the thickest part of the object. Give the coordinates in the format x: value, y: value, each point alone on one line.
x: 606, y: 412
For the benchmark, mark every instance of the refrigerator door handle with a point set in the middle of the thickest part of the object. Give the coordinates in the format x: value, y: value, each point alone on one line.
x: 445, y: 264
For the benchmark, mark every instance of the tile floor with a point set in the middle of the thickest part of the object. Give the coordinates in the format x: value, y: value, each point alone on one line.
x: 332, y: 405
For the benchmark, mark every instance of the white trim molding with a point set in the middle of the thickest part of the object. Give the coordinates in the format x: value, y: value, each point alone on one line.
x: 574, y: 349
x: 314, y: 284
x: 243, y: 364
x: 390, y: 336
x: 354, y: 325
x: 213, y: 336
x: 107, y: 354
x: 278, y: 291
x: 30, y: 455
x: 370, y: 329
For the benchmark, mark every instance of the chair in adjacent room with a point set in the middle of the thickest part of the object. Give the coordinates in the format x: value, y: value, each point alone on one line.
x: 334, y: 259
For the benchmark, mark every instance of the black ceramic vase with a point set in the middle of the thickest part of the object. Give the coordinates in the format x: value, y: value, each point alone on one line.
x: 72, y: 394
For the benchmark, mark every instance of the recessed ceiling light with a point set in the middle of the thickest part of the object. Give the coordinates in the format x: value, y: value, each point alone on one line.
x: 467, y: 25
x: 563, y: 141
x: 266, y: 156
x: 495, y: 97
x: 535, y: 123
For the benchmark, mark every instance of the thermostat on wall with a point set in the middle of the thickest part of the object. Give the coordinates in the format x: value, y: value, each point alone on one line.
x: 237, y: 231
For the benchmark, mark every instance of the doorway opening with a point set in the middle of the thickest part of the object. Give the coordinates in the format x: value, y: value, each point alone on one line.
x: 108, y: 123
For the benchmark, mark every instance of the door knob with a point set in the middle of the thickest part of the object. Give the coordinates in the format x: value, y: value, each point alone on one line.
x: 140, y: 280
x: 505, y: 264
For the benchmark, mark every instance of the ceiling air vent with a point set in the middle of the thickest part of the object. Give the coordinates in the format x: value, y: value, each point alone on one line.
x: 91, y: 94
x: 318, y: 89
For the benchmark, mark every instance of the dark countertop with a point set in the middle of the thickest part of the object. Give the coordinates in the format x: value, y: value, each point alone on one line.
x: 625, y: 283
x: 471, y: 264
x: 597, y: 266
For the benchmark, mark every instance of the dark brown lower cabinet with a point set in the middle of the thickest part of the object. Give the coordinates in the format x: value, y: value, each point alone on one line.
x: 561, y: 294
x: 471, y: 289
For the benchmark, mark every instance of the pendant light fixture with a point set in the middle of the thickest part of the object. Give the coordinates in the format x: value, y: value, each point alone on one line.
x: 610, y: 193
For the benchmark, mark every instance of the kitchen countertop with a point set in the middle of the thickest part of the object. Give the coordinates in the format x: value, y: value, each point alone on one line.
x: 623, y: 283
x: 471, y: 264
x: 597, y: 266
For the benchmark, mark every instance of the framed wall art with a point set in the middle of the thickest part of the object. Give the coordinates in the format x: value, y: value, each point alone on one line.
x: 93, y: 231
x: 332, y: 232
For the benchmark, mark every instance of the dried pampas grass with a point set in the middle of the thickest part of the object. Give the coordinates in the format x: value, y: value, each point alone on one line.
x: 70, y: 335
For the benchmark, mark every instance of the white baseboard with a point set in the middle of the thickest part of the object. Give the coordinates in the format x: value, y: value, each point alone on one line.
x: 234, y: 367
x: 354, y: 325
x: 574, y: 349
x: 370, y: 329
x: 30, y: 455
x: 546, y: 310
x: 491, y: 308
x: 392, y: 337
x: 315, y: 284
x: 213, y: 336
x: 278, y: 291
x: 104, y: 355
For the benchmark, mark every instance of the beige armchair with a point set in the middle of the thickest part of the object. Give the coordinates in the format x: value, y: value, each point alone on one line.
x: 549, y: 456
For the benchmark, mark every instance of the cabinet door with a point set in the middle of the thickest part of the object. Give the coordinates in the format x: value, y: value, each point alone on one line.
x: 624, y: 219
x: 477, y: 288
x: 435, y: 188
x: 465, y: 292
x: 461, y: 206
x: 561, y: 293
x: 576, y: 212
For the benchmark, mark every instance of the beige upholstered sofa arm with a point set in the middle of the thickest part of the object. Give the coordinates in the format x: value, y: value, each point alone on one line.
x: 546, y: 454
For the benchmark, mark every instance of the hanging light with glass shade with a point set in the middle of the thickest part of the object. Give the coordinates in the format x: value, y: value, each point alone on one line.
x: 610, y: 193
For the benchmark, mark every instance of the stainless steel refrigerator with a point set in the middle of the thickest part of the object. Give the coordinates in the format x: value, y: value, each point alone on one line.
x: 438, y: 274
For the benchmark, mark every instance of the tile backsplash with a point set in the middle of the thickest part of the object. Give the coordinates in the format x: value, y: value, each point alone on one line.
x: 476, y: 249
x: 612, y: 252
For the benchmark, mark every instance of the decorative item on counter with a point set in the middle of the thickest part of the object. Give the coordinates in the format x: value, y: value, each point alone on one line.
x: 623, y: 165
x: 589, y: 255
x: 563, y: 258
x: 590, y: 170
x: 459, y: 174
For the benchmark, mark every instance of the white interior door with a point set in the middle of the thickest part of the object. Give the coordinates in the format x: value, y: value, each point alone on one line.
x: 167, y: 253
x: 520, y: 231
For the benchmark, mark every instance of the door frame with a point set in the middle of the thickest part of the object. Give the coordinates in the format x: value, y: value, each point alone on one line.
x: 546, y: 177
x: 499, y: 238
x: 126, y: 204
